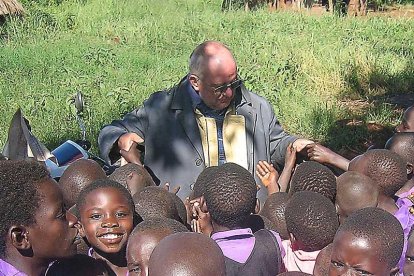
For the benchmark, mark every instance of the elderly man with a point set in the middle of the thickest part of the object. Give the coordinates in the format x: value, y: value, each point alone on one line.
x: 208, y: 119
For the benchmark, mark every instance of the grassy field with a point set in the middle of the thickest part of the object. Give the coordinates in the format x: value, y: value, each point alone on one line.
x: 117, y: 52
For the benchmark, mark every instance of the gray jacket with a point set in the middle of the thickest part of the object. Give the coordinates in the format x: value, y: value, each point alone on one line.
x: 173, y: 149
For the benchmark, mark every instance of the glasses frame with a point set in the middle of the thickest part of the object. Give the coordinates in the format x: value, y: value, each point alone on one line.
x: 221, y: 90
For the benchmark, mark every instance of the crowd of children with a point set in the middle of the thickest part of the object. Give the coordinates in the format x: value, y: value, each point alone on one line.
x: 315, y: 220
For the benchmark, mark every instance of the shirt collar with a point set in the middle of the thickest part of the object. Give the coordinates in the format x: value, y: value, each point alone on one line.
x: 247, y: 232
x: 9, y: 270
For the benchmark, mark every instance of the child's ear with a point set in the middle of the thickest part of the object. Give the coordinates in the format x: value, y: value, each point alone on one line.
x: 19, y: 237
x: 409, y: 168
x: 394, y: 271
x: 81, y: 229
x: 257, y: 207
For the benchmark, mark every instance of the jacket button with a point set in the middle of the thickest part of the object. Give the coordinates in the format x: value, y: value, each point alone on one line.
x: 198, y: 162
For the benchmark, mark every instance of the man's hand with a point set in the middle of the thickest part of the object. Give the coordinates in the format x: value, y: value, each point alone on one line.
x: 127, y: 145
x: 301, y: 143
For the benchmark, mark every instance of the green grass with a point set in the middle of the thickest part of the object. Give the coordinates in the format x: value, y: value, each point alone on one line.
x: 117, y: 52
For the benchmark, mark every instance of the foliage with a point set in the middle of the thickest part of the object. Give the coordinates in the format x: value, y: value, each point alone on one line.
x: 117, y: 52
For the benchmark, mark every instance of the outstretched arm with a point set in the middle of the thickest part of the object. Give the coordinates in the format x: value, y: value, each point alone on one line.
x: 321, y: 154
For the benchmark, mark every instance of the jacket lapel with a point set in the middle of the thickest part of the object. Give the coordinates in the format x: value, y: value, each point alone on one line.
x: 181, y: 103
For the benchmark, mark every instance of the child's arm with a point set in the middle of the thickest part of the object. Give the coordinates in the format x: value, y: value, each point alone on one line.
x: 290, y: 162
x: 321, y: 154
x: 269, y: 176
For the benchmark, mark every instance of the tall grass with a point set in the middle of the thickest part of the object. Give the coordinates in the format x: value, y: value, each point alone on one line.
x: 117, y: 52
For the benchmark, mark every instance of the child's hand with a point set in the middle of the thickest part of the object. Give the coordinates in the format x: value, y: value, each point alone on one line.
x: 319, y: 153
x: 202, y: 220
x: 174, y: 191
x: 290, y: 157
x: 267, y: 173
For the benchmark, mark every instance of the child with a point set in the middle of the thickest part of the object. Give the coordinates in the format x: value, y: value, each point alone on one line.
x: 35, y: 228
x: 409, y: 255
x: 132, y: 176
x: 155, y: 202
x: 403, y: 144
x: 311, y: 222
x: 79, y: 265
x: 294, y: 273
x: 369, y: 242
x: 387, y: 169
x: 407, y: 122
x: 107, y: 217
x: 144, y: 238
x: 187, y: 254
x: 77, y: 176
x: 230, y: 196
x: 355, y: 191
x: 312, y: 176
x: 274, y: 209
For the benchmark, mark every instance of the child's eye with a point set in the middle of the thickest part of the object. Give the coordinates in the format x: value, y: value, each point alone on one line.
x: 337, y: 264
x: 121, y: 214
x: 135, y: 269
x: 95, y: 216
x: 62, y: 213
x: 409, y: 258
x: 363, y: 272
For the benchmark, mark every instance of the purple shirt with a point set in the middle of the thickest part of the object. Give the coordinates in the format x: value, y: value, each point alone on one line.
x: 238, y: 244
x: 7, y: 269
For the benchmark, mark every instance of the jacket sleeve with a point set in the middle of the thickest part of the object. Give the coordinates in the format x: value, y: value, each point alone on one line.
x: 135, y: 121
x: 279, y: 140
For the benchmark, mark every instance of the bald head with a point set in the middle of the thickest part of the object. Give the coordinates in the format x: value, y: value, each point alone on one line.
x: 187, y: 254
x: 402, y: 144
x: 210, y: 56
x: 77, y: 176
x: 355, y: 191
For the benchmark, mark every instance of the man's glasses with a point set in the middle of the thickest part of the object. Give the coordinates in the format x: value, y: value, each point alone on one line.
x: 221, y: 90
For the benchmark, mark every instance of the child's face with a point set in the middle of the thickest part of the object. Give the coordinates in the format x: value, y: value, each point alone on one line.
x: 409, y: 257
x: 407, y: 124
x: 139, y: 251
x: 355, y: 256
x: 53, y: 222
x: 106, y: 219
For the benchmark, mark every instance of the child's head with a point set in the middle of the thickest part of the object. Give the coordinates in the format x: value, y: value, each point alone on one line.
x: 385, y: 167
x: 311, y: 221
x: 274, y: 209
x: 355, y: 191
x: 77, y: 176
x: 180, y: 207
x: 107, y: 216
x: 133, y: 177
x: 187, y: 254
x: 323, y: 261
x: 294, y: 273
x: 32, y: 208
x: 403, y: 145
x: 407, y: 122
x: 315, y: 177
x: 155, y: 202
x: 230, y: 195
x: 409, y: 255
x: 202, y: 181
x: 79, y: 265
x: 370, y: 241
x: 144, y: 238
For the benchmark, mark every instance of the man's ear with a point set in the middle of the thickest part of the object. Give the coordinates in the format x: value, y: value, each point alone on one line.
x: 257, y: 207
x: 409, y: 168
x: 19, y: 237
x: 194, y: 81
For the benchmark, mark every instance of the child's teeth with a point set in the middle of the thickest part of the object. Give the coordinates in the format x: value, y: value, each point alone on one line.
x: 111, y: 236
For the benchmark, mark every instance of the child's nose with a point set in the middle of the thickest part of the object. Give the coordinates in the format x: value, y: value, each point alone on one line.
x: 110, y: 221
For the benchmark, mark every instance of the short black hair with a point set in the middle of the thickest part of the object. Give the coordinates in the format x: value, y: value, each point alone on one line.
x: 230, y: 195
x: 160, y: 224
x: 120, y: 174
x: 379, y: 228
x: 258, y: 222
x: 77, y: 176
x: 102, y: 184
x: 155, y: 202
x: 19, y: 198
x: 80, y: 265
x: 202, y: 181
x: 294, y: 273
x: 387, y: 169
x: 180, y: 207
x: 402, y: 143
x: 315, y: 177
x: 312, y: 219
x: 274, y: 209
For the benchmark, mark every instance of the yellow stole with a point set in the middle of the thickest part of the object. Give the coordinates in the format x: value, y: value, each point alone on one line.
x: 234, y: 138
